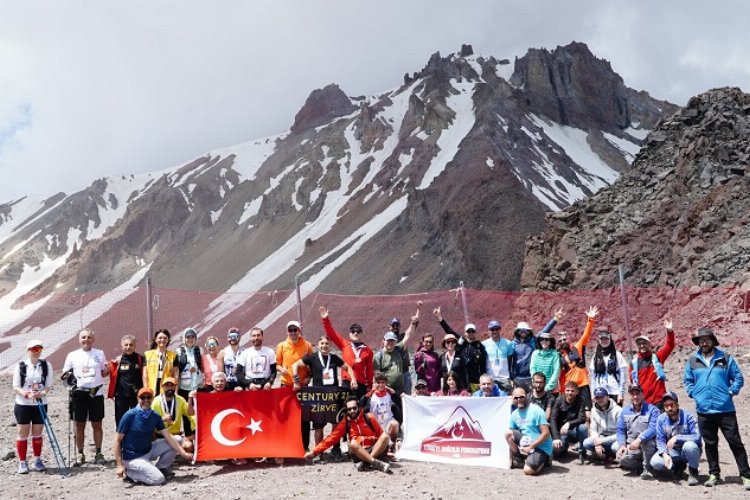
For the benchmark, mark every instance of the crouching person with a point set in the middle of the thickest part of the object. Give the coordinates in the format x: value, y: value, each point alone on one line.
x: 529, y: 435
x: 366, y: 438
x: 678, y: 440
x: 133, y: 449
x: 602, y: 440
x: 636, y: 434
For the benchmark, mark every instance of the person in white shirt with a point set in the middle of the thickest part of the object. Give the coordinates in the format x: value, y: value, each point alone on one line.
x: 89, y: 367
x: 256, y: 365
x: 608, y: 369
x: 32, y: 380
x: 499, y: 354
x: 381, y: 404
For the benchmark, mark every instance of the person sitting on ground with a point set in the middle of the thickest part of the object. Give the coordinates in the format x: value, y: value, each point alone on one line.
x: 176, y: 412
x: 488, y: 388
x: 367, y: 440
x: 602, y: 440
x: 529, y: 435
x: 608, y: 368
x: 32, y: 380
x: 539, y: 396
x: 524, y: 344
x: 451, y: 386
x: 568, y: 424
x: 381, y: 402
x: 450, y: 361
x: 421, y: 389
x: 134, y: 452
x: 678, y: 440
x: 469, y: 349
x: 427, y: 363
x: 499, y: 356
x: 647, y: 368
x: 546, y: 360
x: 636, y: 434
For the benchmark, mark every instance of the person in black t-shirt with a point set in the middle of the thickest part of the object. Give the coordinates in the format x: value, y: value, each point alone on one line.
x: 544, y: 399
x: 568, y: 422
x: 324, y: 370
x: 125, y: 377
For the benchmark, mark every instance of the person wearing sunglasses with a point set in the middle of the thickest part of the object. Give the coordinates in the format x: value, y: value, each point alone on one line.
x: 227, y: 358
x: 451, y: 362
x: 288, y: 352
x: 529, y: 436
x: 366, y: 438
x: 134, y: 450
x: 32, y: 380
x: 354, y: 352
x: 211, y: 361
x: 471, y: 351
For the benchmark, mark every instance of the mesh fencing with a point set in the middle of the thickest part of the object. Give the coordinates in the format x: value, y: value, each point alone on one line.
x: 140, y: 311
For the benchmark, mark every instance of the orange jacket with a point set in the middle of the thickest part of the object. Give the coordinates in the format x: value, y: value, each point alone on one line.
x: 288, y: 353
x: 359, y: 431
x: 579, y: 375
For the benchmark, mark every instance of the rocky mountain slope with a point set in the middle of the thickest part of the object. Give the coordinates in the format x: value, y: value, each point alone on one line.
x: 439, y: 180
x: 679, y: 218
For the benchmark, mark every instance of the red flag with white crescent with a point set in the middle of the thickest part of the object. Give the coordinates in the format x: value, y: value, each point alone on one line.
x: 248, y: 424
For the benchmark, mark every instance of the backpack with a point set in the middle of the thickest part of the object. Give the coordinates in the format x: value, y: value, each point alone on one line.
x: 367, y: 421
x: 22, y: 371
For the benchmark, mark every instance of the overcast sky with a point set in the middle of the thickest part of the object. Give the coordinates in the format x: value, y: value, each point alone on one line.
x: 89, y: 89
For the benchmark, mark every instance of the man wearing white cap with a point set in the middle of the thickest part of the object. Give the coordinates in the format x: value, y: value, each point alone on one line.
x: 31, y: 383
x: 647, y: 368
x: 288, y: 352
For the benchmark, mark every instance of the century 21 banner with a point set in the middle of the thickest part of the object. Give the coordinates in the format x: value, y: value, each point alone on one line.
x: 457, y: 430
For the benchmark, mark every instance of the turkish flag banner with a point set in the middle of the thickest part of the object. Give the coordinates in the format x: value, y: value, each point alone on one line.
x: 248, y: 424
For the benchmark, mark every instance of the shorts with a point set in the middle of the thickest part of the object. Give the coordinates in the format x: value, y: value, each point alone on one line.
x: 27, y: 414
x: 86, y: 407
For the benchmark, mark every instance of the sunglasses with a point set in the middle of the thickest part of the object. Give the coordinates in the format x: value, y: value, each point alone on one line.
x: 35, y: 349
x: 494, y: 329
x: 471, y: 331
x: 234, y: 336
x: 450, y: 342
x: 355, y: 331
x: 516, y: 398
x: 212, y: 344
x: 145, y: 397
x: 292, y: 329
x: 352, y: 410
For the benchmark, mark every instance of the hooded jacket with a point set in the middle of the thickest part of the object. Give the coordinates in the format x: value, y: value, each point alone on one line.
x: 713, y: 384
x: 522, y: 351
x: 546, y: 361
x: 604, y: 422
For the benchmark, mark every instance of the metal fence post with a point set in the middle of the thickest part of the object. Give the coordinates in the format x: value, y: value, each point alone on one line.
x: 464, y: 302
x: 625, y: 310
x: 149, y: 312
x: 299, y: 299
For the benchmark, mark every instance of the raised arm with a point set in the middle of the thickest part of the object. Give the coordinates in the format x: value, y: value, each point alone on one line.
x: 334, y: 337
x: 413, y: 325
x: 444, y: 325
x: 591, y: 315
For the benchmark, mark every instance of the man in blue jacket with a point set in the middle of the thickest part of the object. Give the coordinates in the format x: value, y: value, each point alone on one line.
x: 712, y: 378
x: 678, y: 440
x: 636, y: 434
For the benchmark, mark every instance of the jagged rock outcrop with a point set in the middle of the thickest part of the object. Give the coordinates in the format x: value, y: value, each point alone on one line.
x: 680, y: 217
x: 321, y: 106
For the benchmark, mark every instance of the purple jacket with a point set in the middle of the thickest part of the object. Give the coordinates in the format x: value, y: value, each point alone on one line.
x: 427, y: 366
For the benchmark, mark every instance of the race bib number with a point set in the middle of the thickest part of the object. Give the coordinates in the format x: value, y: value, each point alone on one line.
x: 328, y: 376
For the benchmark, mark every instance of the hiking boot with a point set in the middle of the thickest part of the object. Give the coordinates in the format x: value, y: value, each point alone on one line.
x: 693, y: 477
x: 361, y: 466
x: 168, y: 474
x: 746, y: 483
x: 23, y: 467
x: 713, y: 480
x: 381, y: 466
x: 99, y: 459
x: 336, y: 454
x: 38, y: 465
x: 80, y: 459
x: 647, y: 475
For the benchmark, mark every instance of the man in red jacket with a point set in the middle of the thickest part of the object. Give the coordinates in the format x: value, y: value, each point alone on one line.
x: 354, y: 353
x: 647, y: 368
x: 367, y: 441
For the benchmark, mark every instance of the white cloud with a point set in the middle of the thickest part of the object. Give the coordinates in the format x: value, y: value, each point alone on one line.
x: 127, y: 87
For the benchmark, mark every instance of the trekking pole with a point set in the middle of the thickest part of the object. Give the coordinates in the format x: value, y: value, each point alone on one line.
x: 59, y: 458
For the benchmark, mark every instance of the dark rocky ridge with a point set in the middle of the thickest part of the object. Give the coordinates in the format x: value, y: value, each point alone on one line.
x: 679, y: 218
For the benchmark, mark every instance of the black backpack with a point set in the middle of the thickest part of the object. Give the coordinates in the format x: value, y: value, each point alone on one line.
x: 22, y: 371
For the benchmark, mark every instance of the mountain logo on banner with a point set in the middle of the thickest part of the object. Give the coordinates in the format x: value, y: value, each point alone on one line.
x: 459, y: 437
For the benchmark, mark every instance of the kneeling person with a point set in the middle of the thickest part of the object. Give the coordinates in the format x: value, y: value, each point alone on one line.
x: 134, y: 452
x: 529, y: 435
x: 366, y: 438
x: 176, y: 413
x: 678, y: 440
x: 636, y: 434
x: 602, y: 440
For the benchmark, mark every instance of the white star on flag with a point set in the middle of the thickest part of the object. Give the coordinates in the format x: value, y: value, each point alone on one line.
x: 254, y: 426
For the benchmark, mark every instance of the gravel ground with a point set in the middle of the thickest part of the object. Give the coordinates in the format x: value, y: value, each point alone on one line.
x: 564, y: 479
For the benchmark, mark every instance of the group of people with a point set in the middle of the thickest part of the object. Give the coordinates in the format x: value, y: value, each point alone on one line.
x: 560, y: 399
